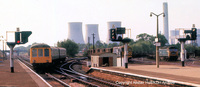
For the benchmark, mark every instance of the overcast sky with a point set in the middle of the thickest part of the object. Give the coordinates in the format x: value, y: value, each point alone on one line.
x: 48, y: 19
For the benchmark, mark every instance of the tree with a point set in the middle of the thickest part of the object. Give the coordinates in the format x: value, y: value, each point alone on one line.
x: 132, y: 42
x: 81, y: 46
x: 145, y: 37
x: 162, y: 39
x: 99, y: 44
x: 110, y: 45
x: 190, y: 48
x: 21, y: 48
x: 143, y: 47
x: 70, y: 46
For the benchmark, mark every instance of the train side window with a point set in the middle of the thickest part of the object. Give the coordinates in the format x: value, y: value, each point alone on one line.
x: 46, y: 52
x: 34, y: 52
x: 40, y: 52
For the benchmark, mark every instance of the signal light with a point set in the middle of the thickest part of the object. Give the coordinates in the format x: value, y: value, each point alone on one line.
x: 194, y: 34
x: 18, y: 41
x: 112, y: 34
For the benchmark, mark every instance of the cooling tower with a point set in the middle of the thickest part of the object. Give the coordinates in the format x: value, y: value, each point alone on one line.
x: 90, y: 29
x: 75, y: 32
x: 165, y: 19
x: 110, y: 25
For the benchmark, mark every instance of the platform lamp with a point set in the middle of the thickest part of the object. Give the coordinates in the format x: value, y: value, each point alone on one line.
x: 157, y: 47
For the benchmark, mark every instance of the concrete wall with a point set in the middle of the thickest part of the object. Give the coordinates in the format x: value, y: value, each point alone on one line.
x: 119, y: 64
x: 94, y: 61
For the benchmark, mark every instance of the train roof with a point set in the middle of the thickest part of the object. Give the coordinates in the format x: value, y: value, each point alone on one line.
x: 39, y: 45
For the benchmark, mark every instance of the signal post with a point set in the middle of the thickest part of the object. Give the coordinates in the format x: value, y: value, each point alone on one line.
x: 116, y: 34
x: 20, y: 38
x: 11, y: 46
x: 192, y: 36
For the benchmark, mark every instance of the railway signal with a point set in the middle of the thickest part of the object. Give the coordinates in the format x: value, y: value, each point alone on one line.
x: 22, y: 37
x: 112, y: 34
x: 116, y: 34
x: 193, y: 35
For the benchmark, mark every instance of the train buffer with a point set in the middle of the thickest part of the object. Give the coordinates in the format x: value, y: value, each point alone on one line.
x: 185, y: 76
x: 22, y: 77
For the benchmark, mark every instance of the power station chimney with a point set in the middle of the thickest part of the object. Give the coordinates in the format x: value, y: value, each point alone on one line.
x: 165, y: 19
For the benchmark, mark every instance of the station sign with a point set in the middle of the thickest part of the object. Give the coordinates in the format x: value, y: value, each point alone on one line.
x: 158, y: 44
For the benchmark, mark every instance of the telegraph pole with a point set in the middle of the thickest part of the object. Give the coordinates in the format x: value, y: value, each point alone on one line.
x: 93, y: 40
x: 88, y: 42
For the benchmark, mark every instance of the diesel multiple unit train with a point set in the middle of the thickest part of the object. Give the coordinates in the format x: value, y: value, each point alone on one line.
x: 44, y: 55
x: 169, y: 53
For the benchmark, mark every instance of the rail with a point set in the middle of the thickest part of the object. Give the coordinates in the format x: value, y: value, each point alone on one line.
x: 61, y: 82
x: 92, y: 78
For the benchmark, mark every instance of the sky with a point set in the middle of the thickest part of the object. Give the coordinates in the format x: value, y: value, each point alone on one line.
x: 48, y: 19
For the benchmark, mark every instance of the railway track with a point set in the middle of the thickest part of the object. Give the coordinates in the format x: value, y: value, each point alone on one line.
x: 65, y: 70
x: 45, y: 76
x: 58, y: 80
x: 91, y: 81
x: 65, y: 75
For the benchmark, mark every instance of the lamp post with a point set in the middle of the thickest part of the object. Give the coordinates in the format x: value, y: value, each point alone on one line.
x: 3, y: 45
x: 157, y: 48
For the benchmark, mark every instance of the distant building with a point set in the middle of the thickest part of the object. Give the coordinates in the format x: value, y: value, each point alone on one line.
x: 173, y: 35
x: 198, y: 37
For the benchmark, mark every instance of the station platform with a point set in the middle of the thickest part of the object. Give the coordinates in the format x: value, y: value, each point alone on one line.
x: 22, y: 76
x: 189, y: 76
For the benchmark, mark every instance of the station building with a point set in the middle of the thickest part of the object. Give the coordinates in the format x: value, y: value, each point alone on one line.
x: 103, y: 58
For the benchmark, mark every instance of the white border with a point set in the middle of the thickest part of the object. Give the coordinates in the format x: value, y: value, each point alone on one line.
x: 179, y: 82
x: 36, y: 74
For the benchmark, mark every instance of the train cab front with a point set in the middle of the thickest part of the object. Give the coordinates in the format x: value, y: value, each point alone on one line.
x: 40, y: 56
